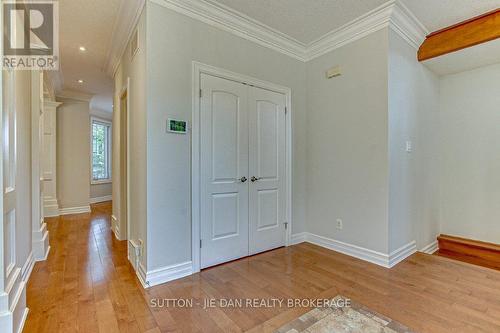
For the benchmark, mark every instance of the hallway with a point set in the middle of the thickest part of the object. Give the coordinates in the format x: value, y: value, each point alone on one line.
x: 87, y: 285
x: 86, y: 282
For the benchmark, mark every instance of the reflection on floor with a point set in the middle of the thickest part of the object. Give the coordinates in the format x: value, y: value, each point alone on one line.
x: 87, y: 285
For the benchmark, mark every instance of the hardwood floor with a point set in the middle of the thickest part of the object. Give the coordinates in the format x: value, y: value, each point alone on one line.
x: 87, y: 285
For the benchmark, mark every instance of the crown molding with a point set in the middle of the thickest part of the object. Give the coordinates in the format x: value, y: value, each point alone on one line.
x: 128, y: 16
x: 358, y: 28
x: 52, y: 104
x: 408, y: 25
x: 392, y: 14
x: 225, y: 18
x: 74, y: 95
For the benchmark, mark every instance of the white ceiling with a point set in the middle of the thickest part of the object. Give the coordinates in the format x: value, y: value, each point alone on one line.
x: 303, y: 20
x: 439, y: 14
x: 87, y: 23
x: 473, y: 57
x: 90, y: 23
x: 308, y: 20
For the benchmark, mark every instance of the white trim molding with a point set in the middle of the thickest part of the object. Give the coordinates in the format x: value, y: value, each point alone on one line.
x: 50, y: 207
x: 115, y: 226
x: 237, y: 23
x: 298, y: 238
x: 430, y: 248
x: 13, y: 310
x: 125, y: 23
x: 396, y: 256
x: 74, y: 95
x: 100, y: 199
x: 40, y: 242
x: 74, y: 210
x: 375, y: 257
x: 141, y: 275
x: 27, y: 267
x: 392, y: 14
x: 164, y: 274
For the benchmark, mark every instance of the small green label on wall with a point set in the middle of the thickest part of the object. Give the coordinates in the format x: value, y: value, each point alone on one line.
x: 177, y: 126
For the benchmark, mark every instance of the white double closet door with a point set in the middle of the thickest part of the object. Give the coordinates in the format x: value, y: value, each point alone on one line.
x: 242, y: 170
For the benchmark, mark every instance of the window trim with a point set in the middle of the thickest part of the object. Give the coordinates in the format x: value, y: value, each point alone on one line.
x: 109, y: 150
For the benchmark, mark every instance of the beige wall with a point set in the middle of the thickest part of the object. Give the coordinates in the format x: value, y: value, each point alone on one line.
x: 100, y: 190
x: 73, y: 154
x: 174, y: 41
x: 413, y: 177
x: 347, y: 144
x: 469, y: 153
x: 135, y: 69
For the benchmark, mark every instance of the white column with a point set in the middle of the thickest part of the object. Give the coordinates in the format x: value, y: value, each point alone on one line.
x: 40, y: 235
x: 49, y: 175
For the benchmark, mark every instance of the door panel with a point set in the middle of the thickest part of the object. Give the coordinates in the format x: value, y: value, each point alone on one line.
x: 10, y: 166
x: 267, y: 139
x: 225, y: 215
x: 268, y: 207
x: 224, y: 161
x: 225, y: 148
x: 267, y: 164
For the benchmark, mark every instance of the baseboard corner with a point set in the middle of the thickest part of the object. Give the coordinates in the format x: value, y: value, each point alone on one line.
x: 430, y: 248
x: 402, y: 253
x: 298, y: 238
x: 168, y: 273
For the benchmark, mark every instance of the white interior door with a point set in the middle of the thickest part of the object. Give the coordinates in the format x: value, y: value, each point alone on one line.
x: 267, y: 170
x: 224, y: 171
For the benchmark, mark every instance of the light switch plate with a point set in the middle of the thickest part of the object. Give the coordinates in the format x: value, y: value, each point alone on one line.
x: 409, y: 147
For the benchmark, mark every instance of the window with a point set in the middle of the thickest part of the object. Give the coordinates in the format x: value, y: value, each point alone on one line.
x: 101, y: 150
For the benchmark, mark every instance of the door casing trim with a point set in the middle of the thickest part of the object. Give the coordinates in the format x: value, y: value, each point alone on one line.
x: 197, y: 70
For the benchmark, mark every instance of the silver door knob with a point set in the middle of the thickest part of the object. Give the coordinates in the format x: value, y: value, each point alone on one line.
x: 243, y: 179
x: 254, y: 179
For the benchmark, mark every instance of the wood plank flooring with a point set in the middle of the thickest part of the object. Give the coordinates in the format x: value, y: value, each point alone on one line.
x: 87, y: 285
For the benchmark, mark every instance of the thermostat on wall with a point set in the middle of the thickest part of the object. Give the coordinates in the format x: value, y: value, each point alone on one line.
x: 176, y: 126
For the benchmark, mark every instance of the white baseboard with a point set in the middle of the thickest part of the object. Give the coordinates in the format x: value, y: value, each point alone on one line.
x: 74, y: 210
x: 378, y: 258
x: 41, y: 243
x: 431, y: 248
x: 134, y: 253
x: 141, y: 275
x: 101, y: 199
x: 166, y: 274
x: 13, y: 310
x: 298, y: 238
x: 115, y: 226
x: 23, y: 320
x: 27, y: 267
x: 50, y: 207
x: 350, y: 250
x: 402, y: 253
